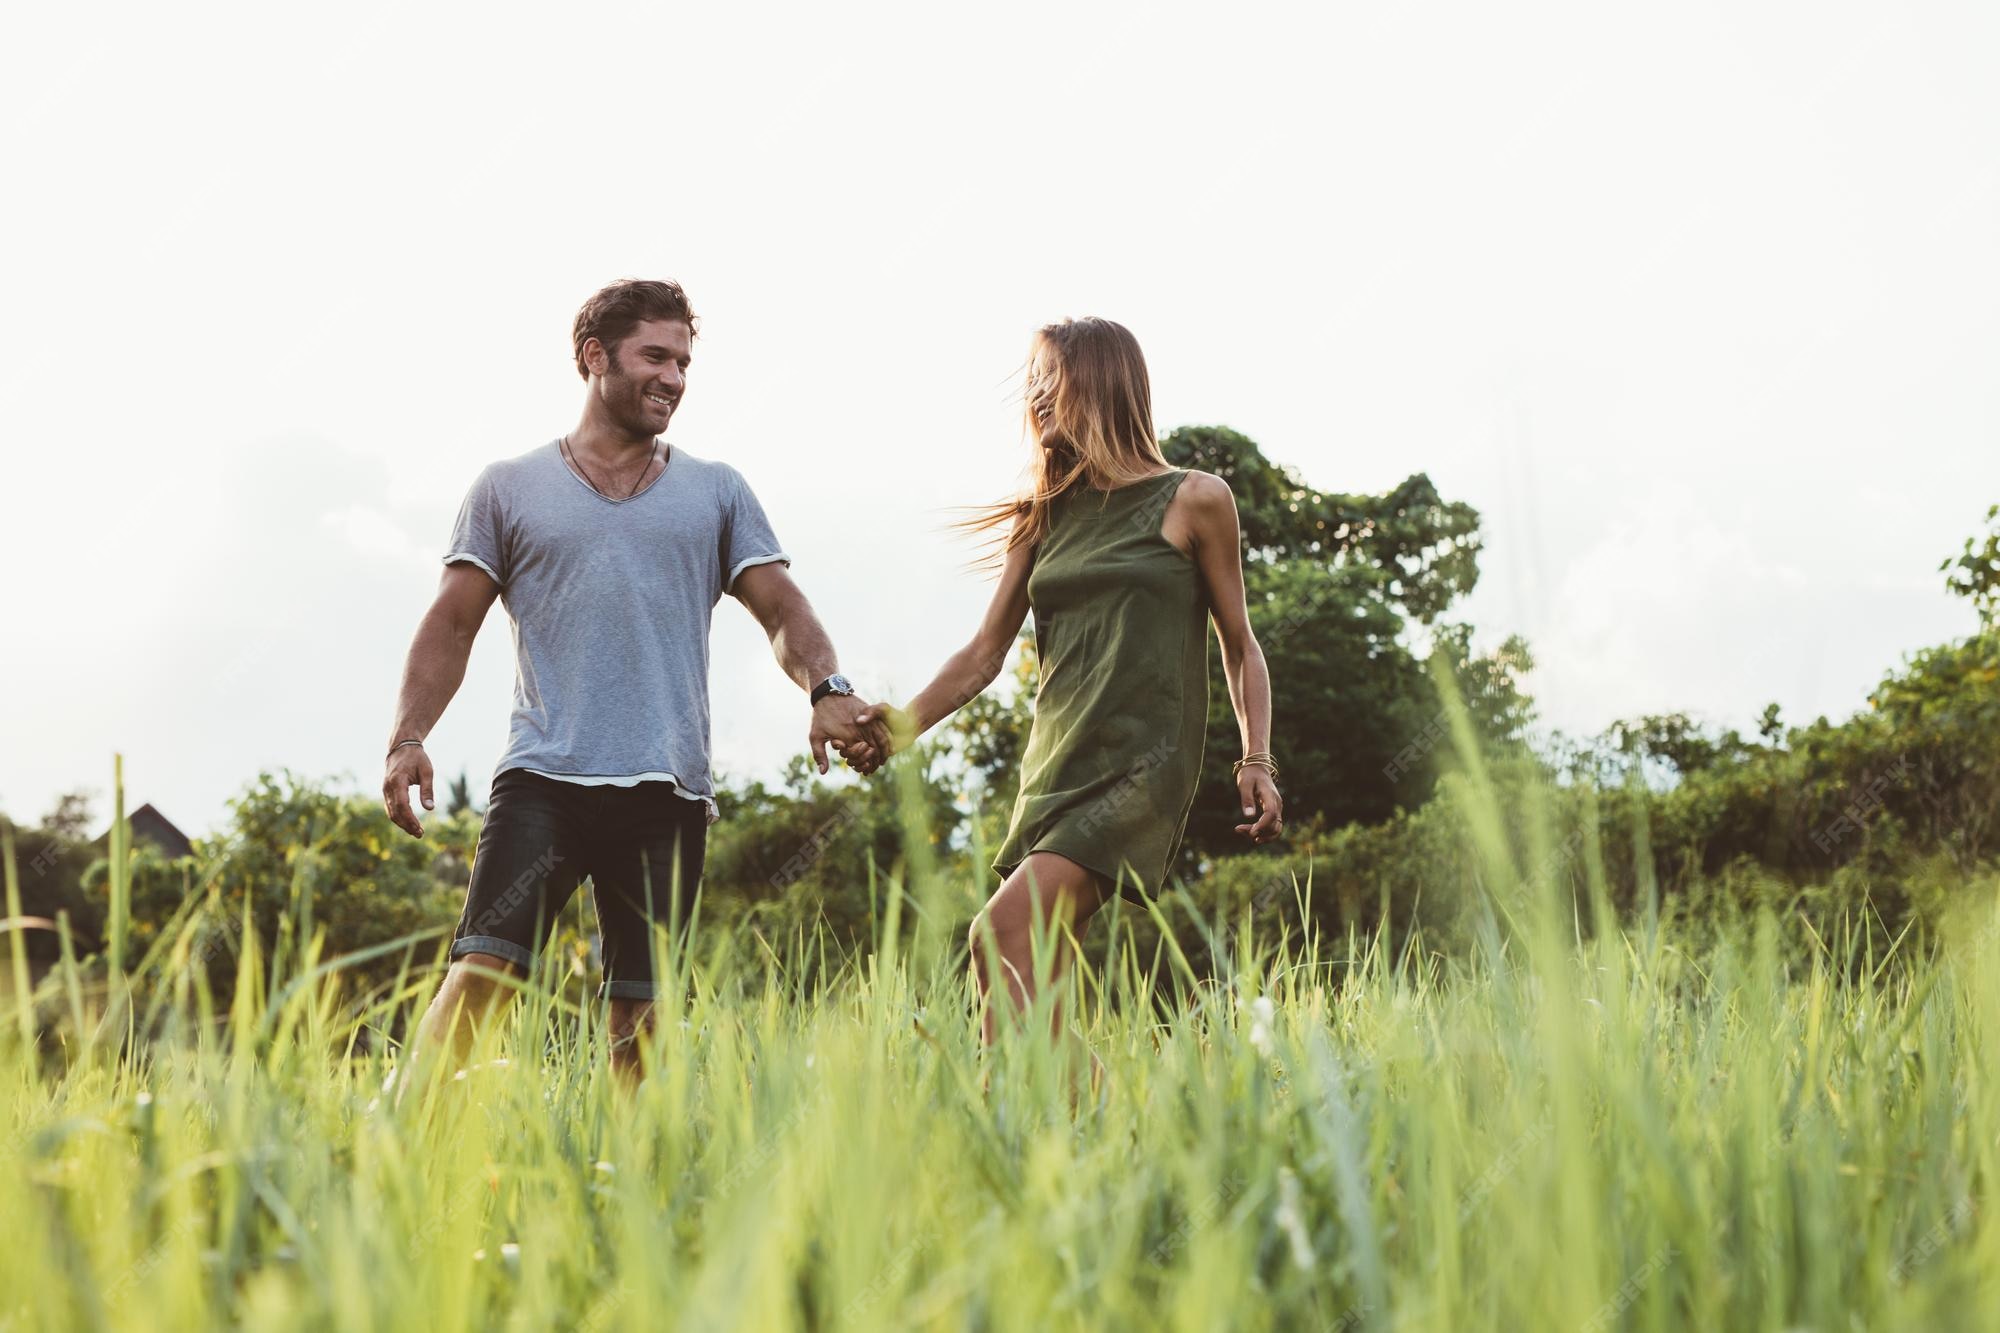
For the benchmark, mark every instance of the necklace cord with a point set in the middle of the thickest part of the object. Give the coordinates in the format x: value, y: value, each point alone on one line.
x: 591, y: 482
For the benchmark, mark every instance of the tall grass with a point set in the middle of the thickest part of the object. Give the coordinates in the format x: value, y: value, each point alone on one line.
x: 1570, y: 1128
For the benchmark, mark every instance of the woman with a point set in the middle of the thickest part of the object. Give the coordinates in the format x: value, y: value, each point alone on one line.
x: 1123, y: 559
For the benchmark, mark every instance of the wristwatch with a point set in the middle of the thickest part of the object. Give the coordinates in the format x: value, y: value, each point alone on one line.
x: 834, y: 684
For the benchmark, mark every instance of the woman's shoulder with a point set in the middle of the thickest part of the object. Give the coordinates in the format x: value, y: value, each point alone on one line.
x: 1206, y: 491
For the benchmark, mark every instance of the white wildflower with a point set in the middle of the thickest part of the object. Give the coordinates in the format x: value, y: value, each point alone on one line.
x: 1291, y: 1219
x: 1262, y: 1012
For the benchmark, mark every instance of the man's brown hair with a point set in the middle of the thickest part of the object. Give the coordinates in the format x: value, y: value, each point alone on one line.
x: 614, y: 311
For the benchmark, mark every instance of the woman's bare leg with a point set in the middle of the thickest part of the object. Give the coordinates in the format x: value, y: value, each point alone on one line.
x: 1048, y: 892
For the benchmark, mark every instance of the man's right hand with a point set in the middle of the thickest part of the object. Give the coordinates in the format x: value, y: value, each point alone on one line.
x: 409, y: 767
x: 891, y: 731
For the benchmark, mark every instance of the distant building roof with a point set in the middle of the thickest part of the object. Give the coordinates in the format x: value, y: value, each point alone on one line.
x: 149, y: 825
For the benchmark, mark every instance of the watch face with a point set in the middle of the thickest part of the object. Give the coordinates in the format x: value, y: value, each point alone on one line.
x: 840, y: 685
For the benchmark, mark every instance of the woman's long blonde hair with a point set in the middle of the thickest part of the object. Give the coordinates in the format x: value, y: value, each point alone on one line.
x: 1088, y: 403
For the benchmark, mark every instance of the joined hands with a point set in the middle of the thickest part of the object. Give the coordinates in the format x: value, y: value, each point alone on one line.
x: 837, y: 720
x: 878, y: 731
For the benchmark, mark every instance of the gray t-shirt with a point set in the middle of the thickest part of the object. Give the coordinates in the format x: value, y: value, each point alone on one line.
x: 611, y: 602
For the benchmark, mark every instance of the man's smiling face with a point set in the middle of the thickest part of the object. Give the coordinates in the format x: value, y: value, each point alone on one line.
x: 645, y: 375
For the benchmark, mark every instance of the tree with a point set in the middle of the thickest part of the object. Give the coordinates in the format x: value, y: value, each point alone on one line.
x: 302, y: 858
x: 1975, y: 573
x: 1490, y: 684
x: 1426, y: 547
x: 799, y: 856
x: 71, y: 817
x: 458, y: 796
x: 49, y: 864
x: 1672, y: 746
x: 1334, y: 582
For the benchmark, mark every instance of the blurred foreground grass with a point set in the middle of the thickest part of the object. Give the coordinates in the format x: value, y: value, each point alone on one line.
x: 1770, y: 1129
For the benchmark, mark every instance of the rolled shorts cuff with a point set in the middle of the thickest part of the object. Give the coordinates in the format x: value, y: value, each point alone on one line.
x: 628, y: 990
x: 494, y: 945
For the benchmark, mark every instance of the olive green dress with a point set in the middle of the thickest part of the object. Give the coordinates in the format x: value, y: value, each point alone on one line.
x: 1121, y: 628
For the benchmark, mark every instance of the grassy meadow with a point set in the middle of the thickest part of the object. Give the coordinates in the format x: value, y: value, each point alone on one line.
x: 1766, y: 1126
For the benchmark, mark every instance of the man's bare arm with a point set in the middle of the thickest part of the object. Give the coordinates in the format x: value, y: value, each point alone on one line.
x: 804, y: 653
x: 431, y: 676
x: 798, y: 640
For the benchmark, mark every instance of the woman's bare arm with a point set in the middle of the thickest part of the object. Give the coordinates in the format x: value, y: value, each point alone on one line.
x: 972, y: 668
x: 1218, y: 555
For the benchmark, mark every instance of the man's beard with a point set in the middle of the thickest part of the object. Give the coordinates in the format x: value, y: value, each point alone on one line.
x: 630, y: 407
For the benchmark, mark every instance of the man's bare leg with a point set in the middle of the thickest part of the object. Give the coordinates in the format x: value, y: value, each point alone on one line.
x: 464, y: 1004
x: 630, y: 1022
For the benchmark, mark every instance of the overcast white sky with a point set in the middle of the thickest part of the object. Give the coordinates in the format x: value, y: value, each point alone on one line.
x: 1700, y: 307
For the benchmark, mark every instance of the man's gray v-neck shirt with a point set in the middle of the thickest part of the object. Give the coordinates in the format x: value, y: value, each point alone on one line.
x: 611, y: 602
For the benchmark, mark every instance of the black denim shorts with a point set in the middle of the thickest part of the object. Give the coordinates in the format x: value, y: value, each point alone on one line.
x: 640, y: 846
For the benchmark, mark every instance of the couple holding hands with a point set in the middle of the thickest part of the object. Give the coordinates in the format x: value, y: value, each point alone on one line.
x: 611, y: 548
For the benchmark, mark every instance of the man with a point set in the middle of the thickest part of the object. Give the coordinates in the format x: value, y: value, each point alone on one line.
x: 610, y: 548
